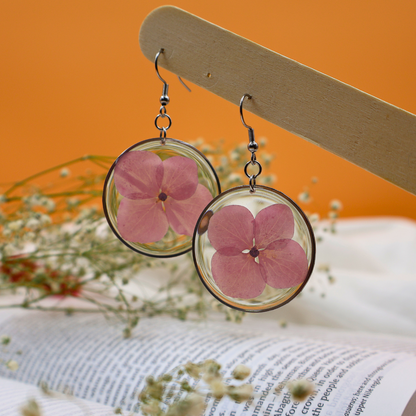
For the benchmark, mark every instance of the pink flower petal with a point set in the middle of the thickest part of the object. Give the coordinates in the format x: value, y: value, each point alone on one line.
x: 180, y: 179
x: 231, y: 228
x: 138, y: 174
x: 141, y: 221
x: 273, y: 223
x: 183, y: 215
x: 237, y: 276
x: 283, y: 264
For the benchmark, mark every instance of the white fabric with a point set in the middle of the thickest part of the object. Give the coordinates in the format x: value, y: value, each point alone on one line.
x: 373, y: 261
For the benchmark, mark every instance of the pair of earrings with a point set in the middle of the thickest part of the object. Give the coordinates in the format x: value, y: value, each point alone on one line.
x: 252, y: 246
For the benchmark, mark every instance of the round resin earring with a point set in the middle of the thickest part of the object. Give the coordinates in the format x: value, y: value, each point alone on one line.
x: 253, y: 247
x: 156, y: 189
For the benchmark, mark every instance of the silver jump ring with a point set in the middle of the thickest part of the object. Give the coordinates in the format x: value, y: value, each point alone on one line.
x: 163, y: 116
x: 162, y: 110
x: 162, y: 136
x: 252, y: 183
x: 252, y: 176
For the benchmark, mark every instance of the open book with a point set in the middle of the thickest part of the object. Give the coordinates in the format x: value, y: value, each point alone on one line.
x: 354, y: 374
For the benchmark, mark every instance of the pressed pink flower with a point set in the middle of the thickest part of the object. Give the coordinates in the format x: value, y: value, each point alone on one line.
x: 252, y: 252
x: 157, y: 194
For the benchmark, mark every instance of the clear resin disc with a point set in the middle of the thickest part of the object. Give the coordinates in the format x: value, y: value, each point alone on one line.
x: 154, y: 194
x: 253, y: 251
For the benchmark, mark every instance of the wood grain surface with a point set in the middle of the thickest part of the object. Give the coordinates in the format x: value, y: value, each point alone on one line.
x: 360, y: 128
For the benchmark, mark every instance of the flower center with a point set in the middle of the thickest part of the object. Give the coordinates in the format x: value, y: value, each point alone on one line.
x: 162, y: 196
x: 254, y: 252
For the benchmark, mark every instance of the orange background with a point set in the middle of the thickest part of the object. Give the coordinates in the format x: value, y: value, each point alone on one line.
x: 73, y: 81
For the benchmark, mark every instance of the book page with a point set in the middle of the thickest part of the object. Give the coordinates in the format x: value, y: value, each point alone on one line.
x: 14, y: 396
x: 381, y: 342
x: 89, y: 357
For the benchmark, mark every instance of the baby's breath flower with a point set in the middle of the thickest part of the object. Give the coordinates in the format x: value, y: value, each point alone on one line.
x: 87, y: 213
x: 263, y: 141
x: 206, y: 148
x: 218, y: 389
x: 314, y: 179
x: 10, y: 249
x: 151, y: 408
x: 198, y: 142
x: 300, y: 389
x: 241, y: 372
x: 211, y: 366
x: 211, y: 371
x: 270, y: 178
x: 304, y: 197
x: 234, y: 155
x: 323, y: 267
x: 33, y: 224
x: 314, y: 217
x: 224, y: 160
x: 333, y: 215
x: 15, y: 225
x: 35, y: 200
x: 31, y: 408
x: 72, y: 202
x: 167, y: 377
x: 89, y: 228
x: 5, y: 340
x: 335, y: 205
x: 12, y: 365
x: 235, y: 177
x: 210, y: 377
x: 240, y: 393
x: 64, y: 172
x: 45, y: 219
x: 193, y: 370
x: 192, y: 405
x: 43, y: 385
x: 196, y: 404
x: 49, y: 205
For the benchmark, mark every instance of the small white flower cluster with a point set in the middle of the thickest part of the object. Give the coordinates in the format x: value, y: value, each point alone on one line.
x: 158, y: 397
x: 65, y: 172
x: 31, y: 408
x: 38, y: 200
x: 301, y: 389
x: 335, y: 206
x: 305, y: 197
x: 12, y: 365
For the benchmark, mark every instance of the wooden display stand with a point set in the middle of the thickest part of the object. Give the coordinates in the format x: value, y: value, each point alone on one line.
x: 360, y: 128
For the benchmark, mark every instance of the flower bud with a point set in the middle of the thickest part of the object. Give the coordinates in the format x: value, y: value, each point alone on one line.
x: 300, y: 389
x: 241, y: 372
x: 12, y: 365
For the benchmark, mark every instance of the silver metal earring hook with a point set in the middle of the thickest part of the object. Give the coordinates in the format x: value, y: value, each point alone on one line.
x: 241, y: 110
x: 164, y: 99
x: 181, y: 81
x: 165, y: 84
x: 252, y: 146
